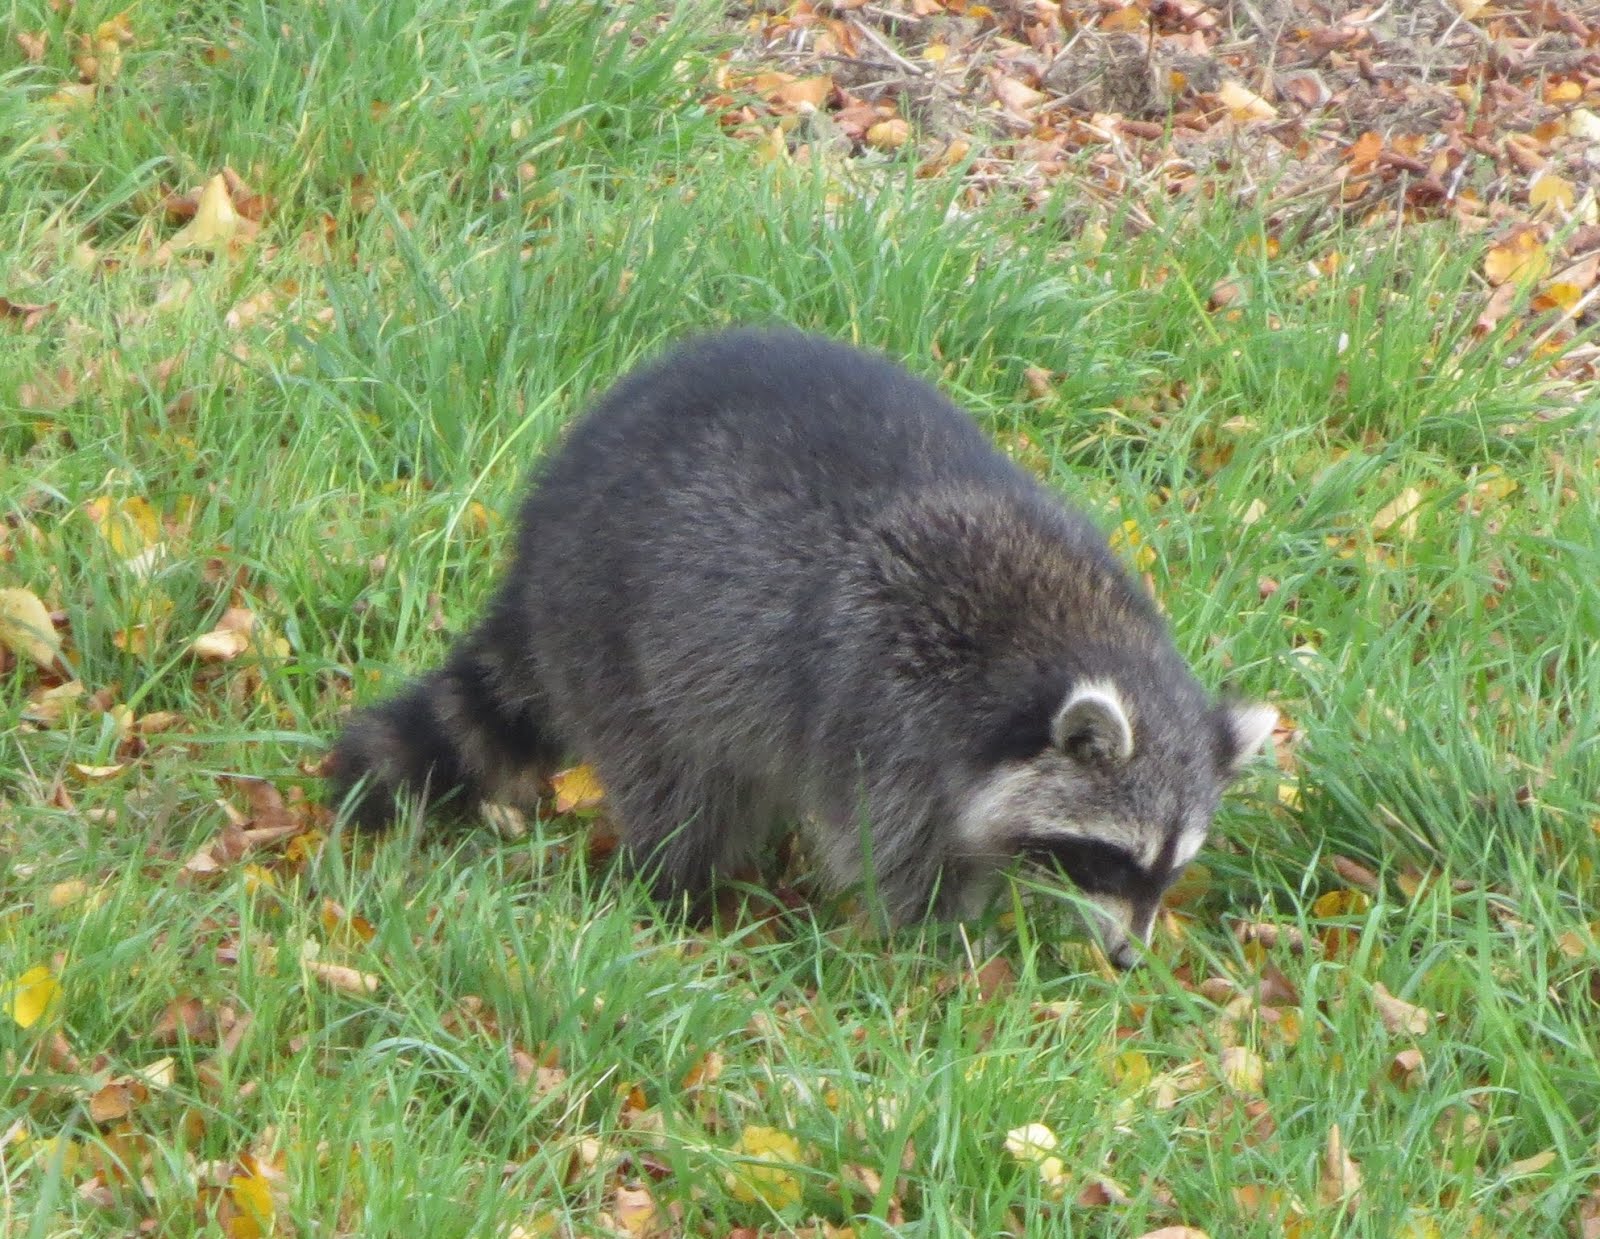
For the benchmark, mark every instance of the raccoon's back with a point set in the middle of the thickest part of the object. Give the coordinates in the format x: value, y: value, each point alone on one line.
x: 788, y: 425
x: 680, y: 552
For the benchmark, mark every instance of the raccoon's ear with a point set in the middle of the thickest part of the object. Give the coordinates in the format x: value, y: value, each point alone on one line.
x: 1245, y: 730
x: 1092, y: 725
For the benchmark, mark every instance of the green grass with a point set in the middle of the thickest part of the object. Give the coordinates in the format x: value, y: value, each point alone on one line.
x: 338, y: 464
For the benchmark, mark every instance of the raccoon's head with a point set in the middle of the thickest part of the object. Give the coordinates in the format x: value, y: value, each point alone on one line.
x: 1116, y: 789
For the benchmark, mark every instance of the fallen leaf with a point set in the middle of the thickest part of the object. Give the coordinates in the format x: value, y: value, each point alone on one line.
x: 1518, y: 259
x: 25, y: 627
x: 1175, y: 1232
x: 1551, y: 191
x: 32, y: 996
x: 1536, y: 1164
x: 339, y: 977
x: 813, y: 91
x: 634, y: 1210
x: 1243, y: 103
x: 1030, y: 1144
x: 1340, y: 1182
x: 1400, y: 1017
x: 1243, y: 1069
x: 765, y: 1175
x: 215, y: 221
x: 1354, y: 872
x: 1015, y: 95
x: 1407, y: 1069
x: 1398, y: 517
x: 577, y: 788
x: 889, y: 135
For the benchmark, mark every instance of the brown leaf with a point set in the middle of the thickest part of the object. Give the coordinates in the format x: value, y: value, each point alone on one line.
x: 1354, y: 873
x: 1175, y: 1232
x: 1340, y: 1182
x: 1400, y: 1017
x: 339, y: 977
x: 1015, y: 95
x: 183, y: 1017
x: 1407, y: 1068
x: 28, y: 313
x: 635, y: 1211
x: 33, y: 46
x: 813, y: 91
x: 116, y: 1100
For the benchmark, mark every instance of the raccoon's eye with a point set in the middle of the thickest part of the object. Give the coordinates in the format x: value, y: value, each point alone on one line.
x: 1095, y: 867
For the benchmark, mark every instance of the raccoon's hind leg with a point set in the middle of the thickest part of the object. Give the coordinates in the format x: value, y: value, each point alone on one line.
x: 476, y: 732
x: 682, y: 824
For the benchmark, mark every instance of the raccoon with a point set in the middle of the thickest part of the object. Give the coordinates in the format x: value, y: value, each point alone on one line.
x: 772, y: 579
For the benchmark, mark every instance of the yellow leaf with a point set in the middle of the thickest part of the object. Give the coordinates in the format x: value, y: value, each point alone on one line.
x: 97, y: 774
x: 1126, y: 539
x: 65, y: 894
x: 70, y: 97
x: 25, y: 627
x: 1551, y: 191
x: 1031, y: 1144
x: 1399, y: 516
x: 1419, y: 1226
x: 1533, y: 1165
x: 128, y: 526
x: 215, y: 221
x: 1519, y: 258
x: 1244, y: 104
x: 577, y: 788
x: 257, y: 878
x: 889, y: 135
x: 635, y: 1211
x: 252, y: 1197
x: 1243, y: 1069
x: 765, y: 1177
x: 32, y: 996
x: 1341, y: 903
x: 1131, y: 1069
x: 1558, y: 295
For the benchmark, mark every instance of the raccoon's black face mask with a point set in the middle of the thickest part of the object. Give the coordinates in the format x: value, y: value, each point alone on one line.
x: 1120, y: 813
x: 1126, y: 892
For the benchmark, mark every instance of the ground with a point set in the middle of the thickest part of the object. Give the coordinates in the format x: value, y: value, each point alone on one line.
x: 1297, y: 299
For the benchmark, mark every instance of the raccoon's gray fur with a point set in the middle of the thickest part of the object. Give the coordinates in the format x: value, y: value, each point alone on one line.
x: 772, y: 579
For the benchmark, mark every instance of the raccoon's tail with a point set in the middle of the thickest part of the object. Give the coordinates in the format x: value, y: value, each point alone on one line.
x: 473, y: 731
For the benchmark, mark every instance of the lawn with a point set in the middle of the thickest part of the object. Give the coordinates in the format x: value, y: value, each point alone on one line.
x: 258, y: 449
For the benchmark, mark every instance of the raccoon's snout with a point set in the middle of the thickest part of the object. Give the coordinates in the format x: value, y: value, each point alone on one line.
x: 1120, y: 923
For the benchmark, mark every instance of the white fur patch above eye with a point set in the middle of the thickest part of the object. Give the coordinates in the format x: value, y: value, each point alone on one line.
x: 1251, y: 727
x: 1188, y: 847
x: 1094, y: 720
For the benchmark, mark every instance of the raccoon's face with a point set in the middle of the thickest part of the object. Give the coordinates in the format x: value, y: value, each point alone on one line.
x: 1118, y: 802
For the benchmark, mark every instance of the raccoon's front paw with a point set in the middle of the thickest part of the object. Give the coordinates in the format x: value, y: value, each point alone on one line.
x: 507, y: 821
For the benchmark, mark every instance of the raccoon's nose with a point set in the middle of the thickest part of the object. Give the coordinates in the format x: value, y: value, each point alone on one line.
x: 1124, y: 956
